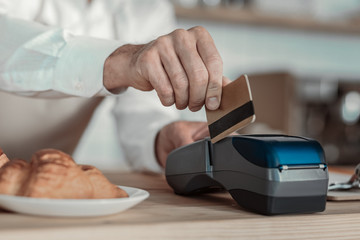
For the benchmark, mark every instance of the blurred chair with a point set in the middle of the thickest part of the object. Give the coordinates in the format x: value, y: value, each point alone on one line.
x: 276, y: 104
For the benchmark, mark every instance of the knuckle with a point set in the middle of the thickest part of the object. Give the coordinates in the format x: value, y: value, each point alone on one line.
x: 187, y: 46
x: 200, y: 30
x: 179, y: 80
x: 166, y: 93
x: 182, y: 37
x: 215, y: 60
x: 162, y: 41
x: 214, y: 86
x: 167, y: 101
x: 201, y: 77
x: 181, y: 106
x: 194, y: 108
x: 196, y: 103
x: 179, y: 32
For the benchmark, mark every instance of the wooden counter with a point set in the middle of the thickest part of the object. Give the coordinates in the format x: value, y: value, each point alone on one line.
x: 165, y: 215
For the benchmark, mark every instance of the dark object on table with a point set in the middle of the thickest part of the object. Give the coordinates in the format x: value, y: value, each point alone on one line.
x: 268, y: 174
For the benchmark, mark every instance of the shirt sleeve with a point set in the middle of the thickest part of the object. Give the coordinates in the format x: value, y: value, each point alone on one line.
x: 139, y: 117
x: 36, y: 60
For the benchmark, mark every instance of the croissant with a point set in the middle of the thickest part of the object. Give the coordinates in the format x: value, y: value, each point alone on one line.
x: 12, y: 176
x: 54, y: 174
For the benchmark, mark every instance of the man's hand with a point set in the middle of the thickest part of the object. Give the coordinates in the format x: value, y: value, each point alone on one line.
x: 184, y: 67
x: 177, y: 134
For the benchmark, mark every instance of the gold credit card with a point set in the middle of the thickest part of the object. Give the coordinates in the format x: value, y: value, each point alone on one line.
x: 235, y: 112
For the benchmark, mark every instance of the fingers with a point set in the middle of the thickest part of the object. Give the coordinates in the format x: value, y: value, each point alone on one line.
x: 161, y: 84
x: 202, y: 132
x: 188, y: 131
x: 152, y: 70
x: 213, y: 62
x: 178, y: 134
x: 184, y: 67
x: 225, y: 81
x: 175, y: 72
x: 185, y: 47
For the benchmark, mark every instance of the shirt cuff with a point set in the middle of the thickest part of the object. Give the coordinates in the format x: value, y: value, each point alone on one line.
x: 79, y: 70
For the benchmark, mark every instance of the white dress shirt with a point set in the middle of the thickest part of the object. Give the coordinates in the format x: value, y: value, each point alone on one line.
x: 52, y: 49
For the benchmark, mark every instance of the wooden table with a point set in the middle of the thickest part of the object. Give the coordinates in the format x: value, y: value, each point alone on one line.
x: 165, y: 215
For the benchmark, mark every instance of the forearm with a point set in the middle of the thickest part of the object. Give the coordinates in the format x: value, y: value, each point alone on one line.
x: 36, y: 60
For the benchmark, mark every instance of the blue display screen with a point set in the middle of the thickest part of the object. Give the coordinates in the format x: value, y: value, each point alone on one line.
x: 272, y: 151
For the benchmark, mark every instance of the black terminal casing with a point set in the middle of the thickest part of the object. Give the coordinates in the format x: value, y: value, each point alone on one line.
x: 267, y: 174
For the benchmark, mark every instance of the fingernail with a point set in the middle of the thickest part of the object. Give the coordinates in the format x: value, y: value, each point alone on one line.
x: 212, y: 103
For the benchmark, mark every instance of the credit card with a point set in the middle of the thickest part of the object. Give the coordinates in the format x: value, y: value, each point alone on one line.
x: 235, y: 112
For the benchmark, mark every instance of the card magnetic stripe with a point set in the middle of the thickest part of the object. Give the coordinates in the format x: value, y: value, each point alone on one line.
x: 232, y: 118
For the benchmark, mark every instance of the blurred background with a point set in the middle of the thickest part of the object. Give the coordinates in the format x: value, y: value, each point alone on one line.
x: 303, y: 62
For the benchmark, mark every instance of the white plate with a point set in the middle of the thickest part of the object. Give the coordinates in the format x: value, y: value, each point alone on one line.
x: 73, y: 207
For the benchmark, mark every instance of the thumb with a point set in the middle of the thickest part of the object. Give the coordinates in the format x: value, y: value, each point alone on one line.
x: 202, y: 133
x: 184, y: 139
x: 225, y: 81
